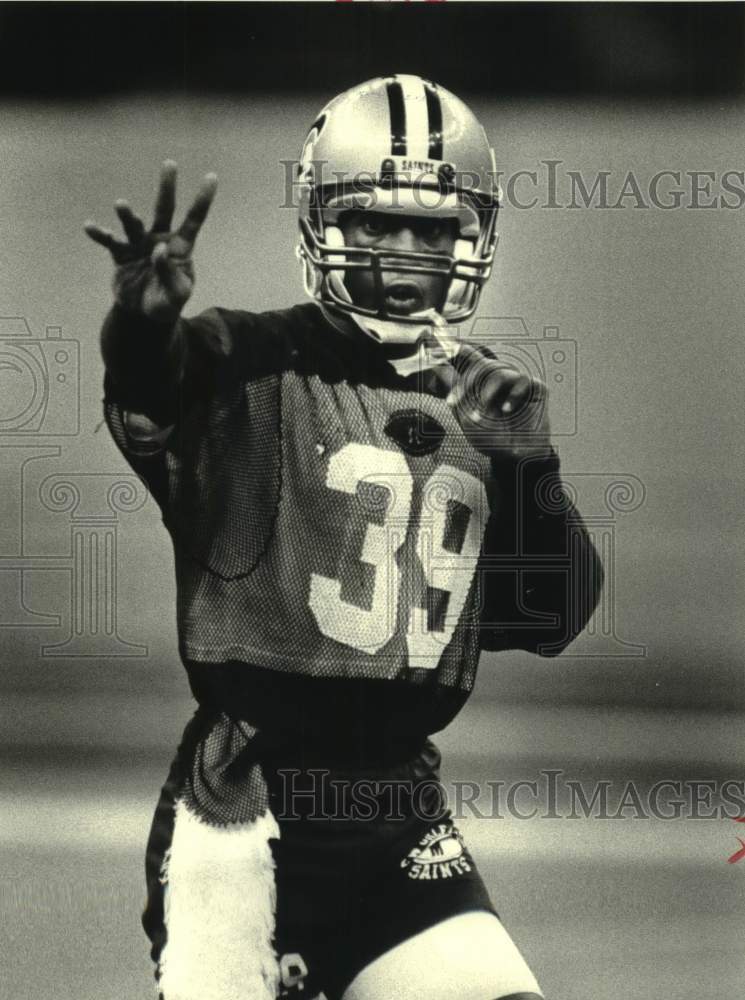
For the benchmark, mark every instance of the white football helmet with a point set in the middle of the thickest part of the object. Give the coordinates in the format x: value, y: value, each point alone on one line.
x: 403, y: 145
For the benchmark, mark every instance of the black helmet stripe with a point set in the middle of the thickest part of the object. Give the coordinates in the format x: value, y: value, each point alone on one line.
x: 434, y: 114
x: 397, y: 109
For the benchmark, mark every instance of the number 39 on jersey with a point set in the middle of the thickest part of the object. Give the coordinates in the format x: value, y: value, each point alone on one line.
x: 419, y: 551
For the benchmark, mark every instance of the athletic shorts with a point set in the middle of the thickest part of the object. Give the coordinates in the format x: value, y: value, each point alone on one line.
x: 367, y: 857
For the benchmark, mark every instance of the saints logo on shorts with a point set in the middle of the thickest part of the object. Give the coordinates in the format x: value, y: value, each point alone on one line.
x: 441, y: 853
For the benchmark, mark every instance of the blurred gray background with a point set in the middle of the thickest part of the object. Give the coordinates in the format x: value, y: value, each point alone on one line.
x: 92, y: 695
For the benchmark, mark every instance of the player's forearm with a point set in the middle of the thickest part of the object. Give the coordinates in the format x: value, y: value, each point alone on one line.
x: 143, y: 363
x: 542, y: 575
x: 567, y: 593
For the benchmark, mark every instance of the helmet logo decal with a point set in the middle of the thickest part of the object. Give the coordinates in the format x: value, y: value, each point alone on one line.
x: 305, y: 164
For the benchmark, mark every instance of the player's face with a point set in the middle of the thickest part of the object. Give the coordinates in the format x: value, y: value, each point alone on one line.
x: 404, y: 293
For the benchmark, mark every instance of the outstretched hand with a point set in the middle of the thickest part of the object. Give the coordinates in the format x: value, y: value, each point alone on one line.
x: 502, y: 412
x: 154, y: 274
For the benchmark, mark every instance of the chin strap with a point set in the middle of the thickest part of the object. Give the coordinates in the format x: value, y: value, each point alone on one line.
x: 431, y: 351
x: 387, y: 331
x: 434, y: 342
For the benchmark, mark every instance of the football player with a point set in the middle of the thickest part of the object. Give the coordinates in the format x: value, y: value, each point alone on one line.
x: 360, y: 502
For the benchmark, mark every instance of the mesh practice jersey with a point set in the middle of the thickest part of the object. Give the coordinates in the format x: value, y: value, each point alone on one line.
x: 328, y: 515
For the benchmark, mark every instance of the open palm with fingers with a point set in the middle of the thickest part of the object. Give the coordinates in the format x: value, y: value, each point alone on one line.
x: 154, y: 274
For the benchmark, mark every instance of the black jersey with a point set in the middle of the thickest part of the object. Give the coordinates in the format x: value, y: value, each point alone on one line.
x: 328, y: 515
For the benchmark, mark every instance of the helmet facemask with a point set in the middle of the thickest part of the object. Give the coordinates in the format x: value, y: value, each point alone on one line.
x: 328, y: 260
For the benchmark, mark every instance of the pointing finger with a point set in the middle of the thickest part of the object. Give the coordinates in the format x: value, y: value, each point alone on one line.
x: 489, y: 383
x: 524, y: 392
x: 466, y: 356
x: 198, y: 212
x: 165, y: 203
x: 507, y: 393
